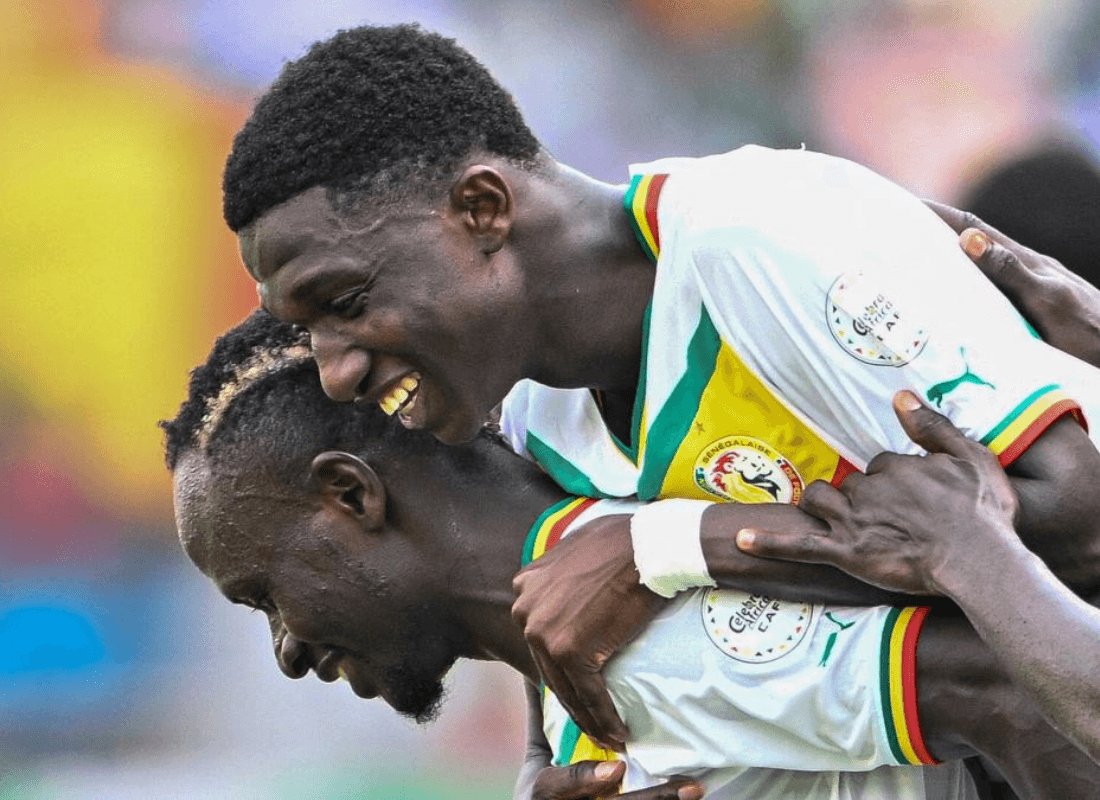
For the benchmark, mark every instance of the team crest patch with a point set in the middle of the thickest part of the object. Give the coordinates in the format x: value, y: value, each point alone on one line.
x: 754, y: 628
x: 870, y: 326
x: 747, y: 470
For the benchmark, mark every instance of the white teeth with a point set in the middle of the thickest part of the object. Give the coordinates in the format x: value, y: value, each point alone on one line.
x: 398, y: 396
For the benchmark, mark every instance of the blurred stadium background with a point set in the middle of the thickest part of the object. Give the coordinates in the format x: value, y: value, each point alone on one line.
x: 122, y: 673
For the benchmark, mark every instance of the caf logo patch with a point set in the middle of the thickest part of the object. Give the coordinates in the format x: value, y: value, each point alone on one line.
x: 747, y: 470
x: 754, y: 628
x: 869, y: 325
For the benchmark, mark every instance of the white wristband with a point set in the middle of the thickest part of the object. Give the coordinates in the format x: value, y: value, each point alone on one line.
x: 667, y: 549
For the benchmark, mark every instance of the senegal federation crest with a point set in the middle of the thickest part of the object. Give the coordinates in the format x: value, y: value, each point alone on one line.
x: 747, y: 470
x: 754, y: 628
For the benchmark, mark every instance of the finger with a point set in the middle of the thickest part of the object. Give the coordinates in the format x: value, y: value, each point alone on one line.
x: 982, y: 242
x: 673, y: 789
x: 932, y: 431
x: 960, y: 221
x: 998, y: 262
x: 880, y: 463
x: 810, y: 548
x: 956, y: 219
x: 824, y: 501
x: 558, y: 682
x: 607, y: 726
x: 579, y: 781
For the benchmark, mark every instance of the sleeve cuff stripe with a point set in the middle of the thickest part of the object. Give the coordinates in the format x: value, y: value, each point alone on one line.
x: 898, y: 682
x: 1013, y: 436
x: 549, y: 527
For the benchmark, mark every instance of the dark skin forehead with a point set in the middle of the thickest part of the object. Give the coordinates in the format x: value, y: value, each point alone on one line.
x: 307, y: 233
x: 281, y: 232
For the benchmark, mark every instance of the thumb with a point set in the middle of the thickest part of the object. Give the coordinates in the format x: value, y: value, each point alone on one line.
x: 579, y: 781
x: 931, y: 430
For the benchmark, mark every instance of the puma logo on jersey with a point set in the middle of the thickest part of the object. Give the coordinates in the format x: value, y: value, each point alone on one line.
x: 937, y: 392
x: 831, y: 641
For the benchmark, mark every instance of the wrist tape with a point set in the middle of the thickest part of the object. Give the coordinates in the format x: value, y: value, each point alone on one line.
x: 667, y: 549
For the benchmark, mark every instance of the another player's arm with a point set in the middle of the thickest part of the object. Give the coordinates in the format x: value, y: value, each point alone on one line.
x: 1059, y: 519
x: 573, y: 627
x: 537, y: 754
x: 944, y: 523
x: 585, y: 780
x: 733, y: 569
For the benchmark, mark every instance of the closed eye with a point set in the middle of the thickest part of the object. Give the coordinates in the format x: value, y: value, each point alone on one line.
x: 351, y: 304
x: 254, y: 604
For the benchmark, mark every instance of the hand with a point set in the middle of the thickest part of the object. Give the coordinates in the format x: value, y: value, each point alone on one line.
x: 587, y: 780
x: 577, y: 605
x: 1061, y: 305
x: 909, y: 518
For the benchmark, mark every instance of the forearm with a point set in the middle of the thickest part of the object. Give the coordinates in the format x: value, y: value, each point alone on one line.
x: 537, y: 754
x: 1047, y: 638
x: 1059, y: 517
x: 788, y: 580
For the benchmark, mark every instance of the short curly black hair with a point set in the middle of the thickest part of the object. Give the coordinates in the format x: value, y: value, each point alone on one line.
x: 260, y: 390
x: 372, y: 111
x: 259, y: 395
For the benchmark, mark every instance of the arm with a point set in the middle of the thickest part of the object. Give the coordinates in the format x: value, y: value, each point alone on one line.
x: 1062, y: 306
x: 1059, y: 517
x: 574, y: 626
x: 585, y: 779
x: 537, y: 754
x: 732, y: 569
x: 945, y: 524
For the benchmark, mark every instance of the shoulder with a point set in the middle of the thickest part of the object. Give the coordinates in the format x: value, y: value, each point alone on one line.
x: 785, y: 195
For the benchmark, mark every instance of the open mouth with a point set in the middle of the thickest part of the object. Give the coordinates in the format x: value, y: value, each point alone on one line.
x: 402, y: 398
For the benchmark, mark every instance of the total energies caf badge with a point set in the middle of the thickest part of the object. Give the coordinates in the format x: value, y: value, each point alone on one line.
x: 754, y: 628
x: 870, y: 325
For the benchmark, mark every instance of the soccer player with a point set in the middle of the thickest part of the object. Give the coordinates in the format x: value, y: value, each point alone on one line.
x: 735, y: 333
x: 314, y: 513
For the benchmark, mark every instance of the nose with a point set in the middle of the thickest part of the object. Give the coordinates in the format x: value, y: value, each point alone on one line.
x: 344, y: 367
x: 292, y: 656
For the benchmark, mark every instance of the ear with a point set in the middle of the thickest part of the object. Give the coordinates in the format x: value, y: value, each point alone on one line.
x: 483, y: 200
x: 351, y: 485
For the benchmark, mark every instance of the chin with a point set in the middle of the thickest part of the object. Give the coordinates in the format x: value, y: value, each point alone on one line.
x: 421, y: 701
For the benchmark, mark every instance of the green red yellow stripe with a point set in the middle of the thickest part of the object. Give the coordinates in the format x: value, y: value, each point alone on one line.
x: 1026, y: 423
x: 551, y: 524
x: 575, y: 746
x: 640, y: 202
x: 898, y: 685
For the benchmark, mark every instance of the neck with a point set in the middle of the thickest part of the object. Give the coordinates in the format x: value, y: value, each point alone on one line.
x: 589, y: 281
x: 479, y: 521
